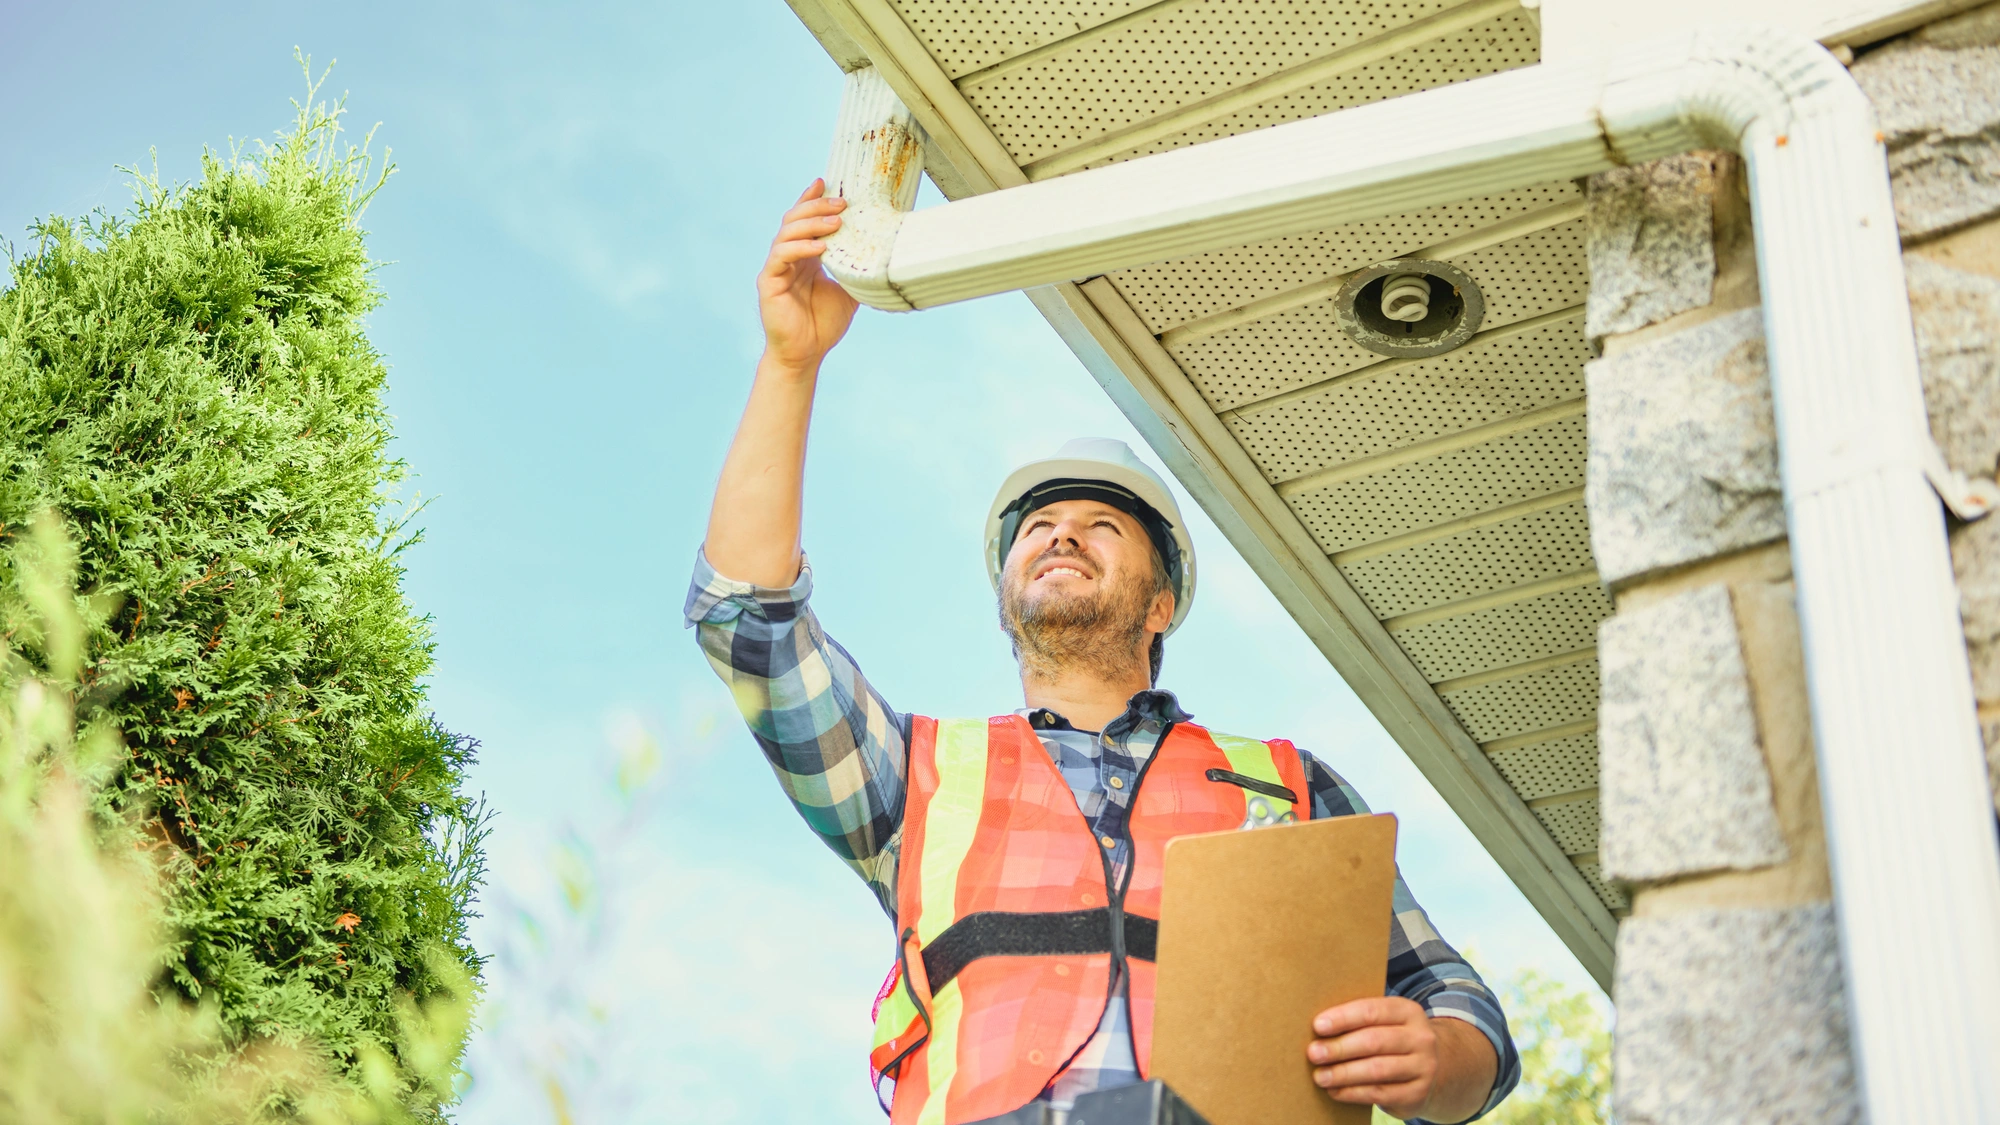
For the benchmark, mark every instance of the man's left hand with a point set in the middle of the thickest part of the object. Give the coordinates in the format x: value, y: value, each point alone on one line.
x: 1388, y: 1051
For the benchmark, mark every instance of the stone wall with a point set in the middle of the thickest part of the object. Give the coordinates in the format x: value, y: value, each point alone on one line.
x: 1728, y: 982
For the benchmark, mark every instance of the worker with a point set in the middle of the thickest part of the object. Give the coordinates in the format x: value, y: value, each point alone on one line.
x: 1019, y: 857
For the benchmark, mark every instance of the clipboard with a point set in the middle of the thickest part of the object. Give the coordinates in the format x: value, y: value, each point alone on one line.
x: 1260, y: 931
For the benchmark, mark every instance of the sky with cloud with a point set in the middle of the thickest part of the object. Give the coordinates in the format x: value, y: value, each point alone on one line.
x: 582, y: 196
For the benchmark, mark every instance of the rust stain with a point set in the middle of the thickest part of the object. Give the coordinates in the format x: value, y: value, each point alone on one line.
x: 895, y: 156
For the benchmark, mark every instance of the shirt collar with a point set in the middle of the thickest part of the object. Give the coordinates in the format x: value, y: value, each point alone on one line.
x: 1152, y: 705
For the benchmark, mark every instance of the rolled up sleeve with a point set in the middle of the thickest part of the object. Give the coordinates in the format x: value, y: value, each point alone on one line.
x: 837, y: 748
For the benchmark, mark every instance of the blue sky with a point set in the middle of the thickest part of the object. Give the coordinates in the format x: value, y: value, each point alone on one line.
x: 583, y: 195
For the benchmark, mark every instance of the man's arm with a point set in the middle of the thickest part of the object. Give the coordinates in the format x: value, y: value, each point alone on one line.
x: 753, y: 526
x: 835, y: 745
x: 1436, y: 1047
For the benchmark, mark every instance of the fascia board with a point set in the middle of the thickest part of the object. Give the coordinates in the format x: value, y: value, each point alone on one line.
x: 1868, y: 21
x: 838, y: 45
x: 1579, y: 28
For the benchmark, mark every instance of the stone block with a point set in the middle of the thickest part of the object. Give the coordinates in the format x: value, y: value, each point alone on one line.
x: 1683, y: 449
x: 1937, y: 97
x: 1683, y: 787
x: 1975, y: 561
x: 1975, y: 249
x: 1989, y: 729
x: 1732, y: 1015
x: 1649, y: 236
x: 1957, y: 319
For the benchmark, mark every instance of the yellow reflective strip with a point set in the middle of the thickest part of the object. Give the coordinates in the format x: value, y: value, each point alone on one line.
x: 896, y: 1016
x: 941, y: 1056
x: 1250, y: 758
x: 952, y: 820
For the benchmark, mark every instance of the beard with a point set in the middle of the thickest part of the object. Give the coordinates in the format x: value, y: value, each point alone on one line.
x: 1098, y: 633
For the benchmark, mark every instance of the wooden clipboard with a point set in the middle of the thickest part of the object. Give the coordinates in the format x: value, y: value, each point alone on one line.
x: 1260, y: 931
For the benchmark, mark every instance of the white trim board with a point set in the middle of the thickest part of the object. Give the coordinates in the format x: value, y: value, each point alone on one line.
x: 1582, y: 28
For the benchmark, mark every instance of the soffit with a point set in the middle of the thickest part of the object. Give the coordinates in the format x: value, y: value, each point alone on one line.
x: 1445, y: 493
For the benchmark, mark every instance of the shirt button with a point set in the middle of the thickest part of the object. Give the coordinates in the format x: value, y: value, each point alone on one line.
x: 1117, y: 783
x: 1107, y: 841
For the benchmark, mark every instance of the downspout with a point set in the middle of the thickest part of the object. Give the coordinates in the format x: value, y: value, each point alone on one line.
x: 876, y: 163
x: 1909, y: 828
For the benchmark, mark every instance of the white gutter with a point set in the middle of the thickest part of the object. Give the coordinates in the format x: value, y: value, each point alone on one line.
x: 1909, y: 827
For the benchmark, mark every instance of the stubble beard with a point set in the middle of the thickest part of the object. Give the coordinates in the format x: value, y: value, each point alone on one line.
x: 1054, y: 635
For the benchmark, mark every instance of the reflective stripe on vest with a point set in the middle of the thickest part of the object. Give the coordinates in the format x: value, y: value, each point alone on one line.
x: 1258, y: 761
x: 950, y: 823
x: 1008, y: 931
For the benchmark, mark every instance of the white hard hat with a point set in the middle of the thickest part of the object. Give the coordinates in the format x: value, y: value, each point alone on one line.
x: 1100, y: 468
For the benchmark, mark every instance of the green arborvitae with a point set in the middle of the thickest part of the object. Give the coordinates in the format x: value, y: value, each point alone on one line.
x: 189, y: 389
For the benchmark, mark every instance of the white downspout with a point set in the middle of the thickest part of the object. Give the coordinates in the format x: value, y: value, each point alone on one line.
x: 1909, y: 825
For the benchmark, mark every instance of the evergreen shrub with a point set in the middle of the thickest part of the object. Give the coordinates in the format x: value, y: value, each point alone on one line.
x: 190, y: 391
x: 84, y: 1037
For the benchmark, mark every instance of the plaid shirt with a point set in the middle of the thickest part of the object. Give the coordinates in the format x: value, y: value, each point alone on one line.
x: 839, y: 751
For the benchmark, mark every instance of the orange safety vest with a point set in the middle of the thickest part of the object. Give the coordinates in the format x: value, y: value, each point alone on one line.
x: 1009, y: 936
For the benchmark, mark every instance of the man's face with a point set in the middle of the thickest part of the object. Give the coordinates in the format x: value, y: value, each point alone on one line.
x: 1079, y: 584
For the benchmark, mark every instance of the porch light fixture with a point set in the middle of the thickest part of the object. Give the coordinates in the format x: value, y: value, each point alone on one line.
x: 1409, y: 307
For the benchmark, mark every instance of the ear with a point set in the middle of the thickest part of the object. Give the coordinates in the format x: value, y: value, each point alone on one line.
x: 1162, y: 613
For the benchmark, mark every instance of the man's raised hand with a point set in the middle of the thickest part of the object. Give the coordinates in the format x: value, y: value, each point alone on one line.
x: 805, y: 312
x: 753, y: 527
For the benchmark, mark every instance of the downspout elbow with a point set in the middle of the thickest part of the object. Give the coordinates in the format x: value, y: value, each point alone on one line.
x: 877, y: 159
x: 1828, y: 254
x: 1723, y: 86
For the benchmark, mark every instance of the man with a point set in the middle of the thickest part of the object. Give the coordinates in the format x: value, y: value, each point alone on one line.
x: 1019, y: 857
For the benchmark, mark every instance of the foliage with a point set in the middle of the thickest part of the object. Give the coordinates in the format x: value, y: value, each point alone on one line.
x: 82, y: 1037
x: 1565, y: 1055
x: 190, y: 391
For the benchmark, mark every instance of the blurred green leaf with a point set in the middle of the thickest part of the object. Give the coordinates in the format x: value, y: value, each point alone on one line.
x: 1565, y: 1055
